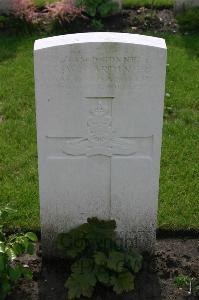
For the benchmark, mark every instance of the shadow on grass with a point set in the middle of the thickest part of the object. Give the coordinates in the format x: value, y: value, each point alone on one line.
x: 188, y: 41
x: 8, y: 46
x: 191, y: 44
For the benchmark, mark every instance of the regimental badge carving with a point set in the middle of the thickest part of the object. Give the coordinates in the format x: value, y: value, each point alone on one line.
x: 99, y: 130
x: 101, y: 139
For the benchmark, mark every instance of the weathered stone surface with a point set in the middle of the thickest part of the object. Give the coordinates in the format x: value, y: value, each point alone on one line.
x: 5, y: 6
x: 99, y: 99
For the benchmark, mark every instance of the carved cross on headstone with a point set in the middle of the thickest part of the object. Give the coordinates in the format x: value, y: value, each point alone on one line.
x: 101, y: 139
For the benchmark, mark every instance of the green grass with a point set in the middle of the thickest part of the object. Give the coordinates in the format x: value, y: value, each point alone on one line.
x: 155, y: 3
x: 179, y: 187
x: 40, y: 3
x: 188, y: 20
x: 179, y: 190
x: 18, y: 162
x: 126, y: 3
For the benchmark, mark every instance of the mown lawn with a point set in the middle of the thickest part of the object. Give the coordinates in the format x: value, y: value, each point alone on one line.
x: 154, y: 3
x: 179, y: 188
x: 126, y: 3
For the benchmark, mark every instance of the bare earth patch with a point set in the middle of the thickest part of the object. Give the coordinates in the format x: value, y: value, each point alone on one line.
x: 142, y: 20
x: 172, y: 257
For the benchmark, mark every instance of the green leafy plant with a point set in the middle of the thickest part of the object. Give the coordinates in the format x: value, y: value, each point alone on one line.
x: 97, y: 24
x: 189, y: 19
x: 3, y: 21
x: 11, y: 247
x: 97, y: 258
x: 182, y: 281
x: 98, y: 9
x: 42, y: 3
x: 191, y: 284
x: 43, y: 15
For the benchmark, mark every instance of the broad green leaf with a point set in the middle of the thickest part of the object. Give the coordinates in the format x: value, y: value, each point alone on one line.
x: 25, y: 242
x: 2, y: 262
x: 27, y: 273
x: 83, y: 265
x: 91, y: 10
x: 12, y: 238
x: 106, y: 9
x: 134, y: 260
x: 103, y: 227
x: 115, y: 261
x: 72, y: 243
x: 30, y: 249
x: 74, y: 293
x: 2, y: 247
x: 15, y: 273
x: 74, y: 251
x: 2, y: 236
x: 102, y: 275
x: 79, y: 3
x: 124, y: 282
x: 80, y: 284
x: 64, y: 241
x: 5, y: 286
x: 10, y: 252
x: 100, y: 258
x: 31, y: 236
x: 18, y: 249
x: 100, y: 233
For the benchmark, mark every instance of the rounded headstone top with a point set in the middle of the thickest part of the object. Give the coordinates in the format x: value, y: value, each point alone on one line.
x: 99, y: 37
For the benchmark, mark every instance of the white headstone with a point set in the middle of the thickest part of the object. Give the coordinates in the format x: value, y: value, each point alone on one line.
x: 184, y: 4
x: 5, y: 6
x: 99, y: 99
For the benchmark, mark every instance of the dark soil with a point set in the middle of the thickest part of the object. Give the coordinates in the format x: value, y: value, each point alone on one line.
x: 172, y: 257
x: 132, y: 21
x: 137, y: 20
x: 142, y: 20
